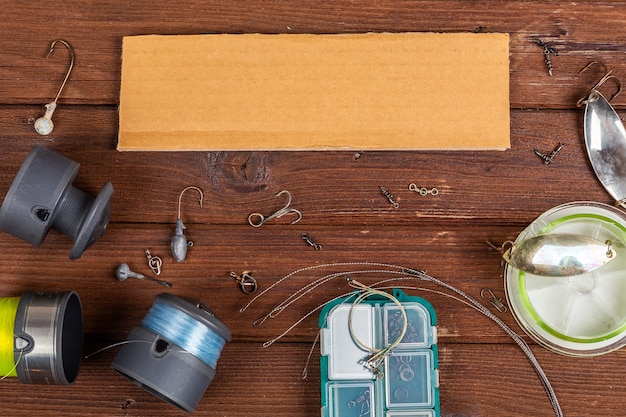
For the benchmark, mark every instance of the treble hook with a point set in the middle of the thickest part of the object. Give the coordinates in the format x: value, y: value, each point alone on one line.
x: 257, y: 219
x: 44, y: 124
x: 591, y: 94
x: 179, y: 242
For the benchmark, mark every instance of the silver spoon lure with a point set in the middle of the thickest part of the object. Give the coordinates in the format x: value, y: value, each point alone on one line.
x: 559, y: 254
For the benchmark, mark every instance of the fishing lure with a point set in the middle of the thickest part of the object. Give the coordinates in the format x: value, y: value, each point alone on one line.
x: 605, y: 138
x: 559, y: 255
x: 179, y: 241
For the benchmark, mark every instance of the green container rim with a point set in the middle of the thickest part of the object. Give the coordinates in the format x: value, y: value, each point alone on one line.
x: 526, y: 300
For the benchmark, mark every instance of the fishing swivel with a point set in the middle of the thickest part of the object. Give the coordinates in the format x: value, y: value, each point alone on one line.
x: 310, y: 242
x: 390, y: 197
x: 154, y: 262
x: 44, y: 124
x: 179, y: 242
x: 246, y: 282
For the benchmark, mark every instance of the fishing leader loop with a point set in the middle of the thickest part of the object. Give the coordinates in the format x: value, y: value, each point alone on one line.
x: 375, y: 359
x: 301, y: 292
x: 314, y: 267
x: 404, y: 273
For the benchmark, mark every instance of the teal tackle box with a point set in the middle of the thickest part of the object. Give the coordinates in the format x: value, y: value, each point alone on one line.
x: 409, y: 382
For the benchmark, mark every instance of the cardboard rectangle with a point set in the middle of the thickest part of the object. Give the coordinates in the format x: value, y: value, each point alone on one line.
x: 401, y: 91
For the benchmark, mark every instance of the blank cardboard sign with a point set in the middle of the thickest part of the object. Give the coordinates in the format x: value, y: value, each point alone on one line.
x: 387, y: 91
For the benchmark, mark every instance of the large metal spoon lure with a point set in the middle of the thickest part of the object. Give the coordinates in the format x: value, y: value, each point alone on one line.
x: 559, y: 255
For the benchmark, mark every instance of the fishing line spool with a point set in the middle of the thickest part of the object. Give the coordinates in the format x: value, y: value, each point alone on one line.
x: 173, y: 353
x: 41, y: 337
x: 42, y: 198
x: 578, y: 315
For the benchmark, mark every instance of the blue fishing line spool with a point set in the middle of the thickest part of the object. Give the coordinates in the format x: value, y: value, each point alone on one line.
x: 174, y: 352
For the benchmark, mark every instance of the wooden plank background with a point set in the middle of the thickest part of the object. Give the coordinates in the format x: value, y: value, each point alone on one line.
x: 483, y: 196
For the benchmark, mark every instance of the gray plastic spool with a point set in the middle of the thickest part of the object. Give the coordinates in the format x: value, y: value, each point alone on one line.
x: 48, y: 338
x: 42, y: 197
x: 165, y: 369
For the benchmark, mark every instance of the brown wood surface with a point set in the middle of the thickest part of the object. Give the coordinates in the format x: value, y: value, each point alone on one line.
x: 483, y: 196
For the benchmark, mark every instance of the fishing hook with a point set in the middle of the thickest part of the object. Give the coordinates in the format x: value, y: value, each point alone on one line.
x: 257, y: 219
x: 179, y: 242
x: 608, y: 74
x: 44, y: 124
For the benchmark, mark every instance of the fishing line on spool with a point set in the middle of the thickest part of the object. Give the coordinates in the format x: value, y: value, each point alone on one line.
x: 184, y: 331
x: 173, y: 353
x: 41, y: 337
x: 181, y: 330
x: 402, y: 273
x: 8, y: 311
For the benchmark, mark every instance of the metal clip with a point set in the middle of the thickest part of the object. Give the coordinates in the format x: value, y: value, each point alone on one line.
x: 154, y: 262
x: 493, y: 300
x: 308, y: 240
x: 362, y: 398
x: 246, y: 282
x: 547, y: 51
x: 548, y: 159
x: 423, y: 190
x: 390, y: 197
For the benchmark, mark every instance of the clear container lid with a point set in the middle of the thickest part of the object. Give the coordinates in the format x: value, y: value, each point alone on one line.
x: 337, y: 341
x: 580, y: 315
x: 409, y: 379
x: 419, y: 332
x: 351, y: 399
x: 410, y: 413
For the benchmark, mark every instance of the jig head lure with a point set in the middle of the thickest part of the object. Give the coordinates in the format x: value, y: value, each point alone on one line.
x: 44, y: 124
x: 179, y: 242
x: 559, y: 255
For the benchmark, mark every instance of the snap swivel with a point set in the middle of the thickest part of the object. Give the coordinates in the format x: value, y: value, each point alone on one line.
x: 246, y: 282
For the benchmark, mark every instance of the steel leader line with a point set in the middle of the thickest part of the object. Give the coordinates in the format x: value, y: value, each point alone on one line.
x: 404, y: 273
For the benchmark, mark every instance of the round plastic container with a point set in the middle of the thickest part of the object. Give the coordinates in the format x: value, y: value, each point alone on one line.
x: 581, y: 315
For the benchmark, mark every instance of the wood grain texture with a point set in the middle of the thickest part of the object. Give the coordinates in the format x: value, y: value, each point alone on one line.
x: 484, y: 196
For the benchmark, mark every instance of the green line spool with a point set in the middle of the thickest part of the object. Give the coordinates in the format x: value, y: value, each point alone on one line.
x: 41, y: 337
